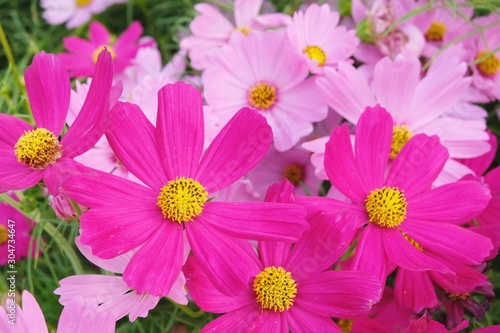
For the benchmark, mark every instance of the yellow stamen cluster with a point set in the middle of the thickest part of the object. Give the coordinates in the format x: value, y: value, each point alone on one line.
x: 294, y: 173
x: 457, y: 297
x: 275, y: 289
x: 38, y: 148
x: 182, y: 199
x: 413, y: 242
x: 97, y: 51
x: 345, y: 325
x: 488, y: 66
x: 436, y: 32
x: 262, y: 96
x: 316, y: 53
x: 386, y: 207
x: 4, y: 235
x: 83, y: 3
x: 400, y: 136
x: 243, y: 29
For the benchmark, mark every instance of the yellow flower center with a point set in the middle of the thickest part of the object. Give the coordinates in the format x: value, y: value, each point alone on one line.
x: 345, y: 325
x: 489, y: 65
x: 262, y: 96
x: 386, y: 207
x: 275, y: 288
x: 294, y: 173
x: 38, y: 148
x: 457, y: 297
x: 182, y: 199
x: 316, y: 53
x: 83, y: 3
x: 400, y: 136
x: 413, y: 242
x: 4, y: 235
x: 436, y: 32
x: 243, y: 29
x: 97, y: 51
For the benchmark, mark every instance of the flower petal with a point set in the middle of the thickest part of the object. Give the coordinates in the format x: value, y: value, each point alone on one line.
x: 304, y: 321
x: 100, y: 288
x: 180, y: 131
x: 48, y: 88
x: 239, y: 146
x: 414, y: 290
x: 236, y: 321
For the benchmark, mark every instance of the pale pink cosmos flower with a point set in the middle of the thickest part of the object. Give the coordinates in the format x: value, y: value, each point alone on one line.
x: 417, y: 105
x: 180, y: 180
x: 79, y: 316
x: 110, y: 292
x: 315, y: 34
x: 293, y: 164
x: 82, y: 56
x: 405, y: 220
x: 289, y: 287
x: 263, y: 71
x: 73, y: 12
x: 29, y: 154
x: 211, y: 29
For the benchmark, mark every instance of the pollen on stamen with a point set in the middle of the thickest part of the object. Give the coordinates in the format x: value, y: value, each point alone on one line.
x: 97, y: 51
x: 457, y: 297
x: 413, y: 242
x: 386, y: 207
x: 37, y: 148
x: 488, y: 66
x: 275, y: 289
x: 436, y: 32
x: 316, y: 53
x: 400, y: 136
x: 345, y: 325
x: 262, y: 96
x: 83, y: 3
x: 4, y: 235
x: 294, y: 173
x: 243, y: 29
x: 182, y: 199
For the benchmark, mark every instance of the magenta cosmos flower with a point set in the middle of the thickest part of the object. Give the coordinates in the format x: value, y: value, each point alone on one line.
x: 82, y: 56
x: 212, y: 29
x: 406, y: 219
x: 316, y: 35
x: 263, y: 71
x: 289, y: 288
x: 124, y: 216
x: 29, y: 154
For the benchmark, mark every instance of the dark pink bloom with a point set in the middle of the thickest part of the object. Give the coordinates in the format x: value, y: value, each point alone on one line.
x: 289, y: 288
x: 179, y: 180
x: 29, y: 154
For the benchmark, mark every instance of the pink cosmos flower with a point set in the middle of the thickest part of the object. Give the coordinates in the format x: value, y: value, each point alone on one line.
x: 29, y: 154
x: 124, y: 216
x: 417, y: 105
x: 78, y: 317
x: 262, y: 71
x: 293, y: 164
x: 13, y: 222
x: 316, y: 35
x: 289, y: 288
x: 82, y: 56
x: 110, y: 292
x: 73, y: 12
x: 407, y: 220
x: 211, y: 29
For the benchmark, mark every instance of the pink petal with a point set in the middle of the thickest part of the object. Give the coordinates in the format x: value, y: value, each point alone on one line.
x: 456, y: 202
x: 82, y: 316
x: 228, y: 262
x: 344, y: 294
x: 180, y: 129
x: 15, y: 175
x: 373, y: 145
x: 48, y: 88
x: 115, y: 265
x: 245, y: 11
x: 324, y: 204
x: 131, y: 136
x: 129, y: 36
x: 256, y: 220
x: 368, y: 325
x: 370, y: 256
x: 305, y: 321
x: 11, y: 129
x: 239, y: 146
x: 33, y: 311
x: 341, y: 167
x: 78, y: 46
x: 417, y: 165
x: 321, y: 246
x: 414, y: 290
x: 98, y: 34
x: 145, y: 303
x: 465, y: 280
x: 241, y: 320
x: 481, y: 163
x: 157, y: 264
x: 93, y: 119
x: 100, y: 288
x: 404, y: 254
x: 207, y: 297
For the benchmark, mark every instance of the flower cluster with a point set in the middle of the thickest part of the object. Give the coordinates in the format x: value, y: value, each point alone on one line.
x: 316, y: 173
